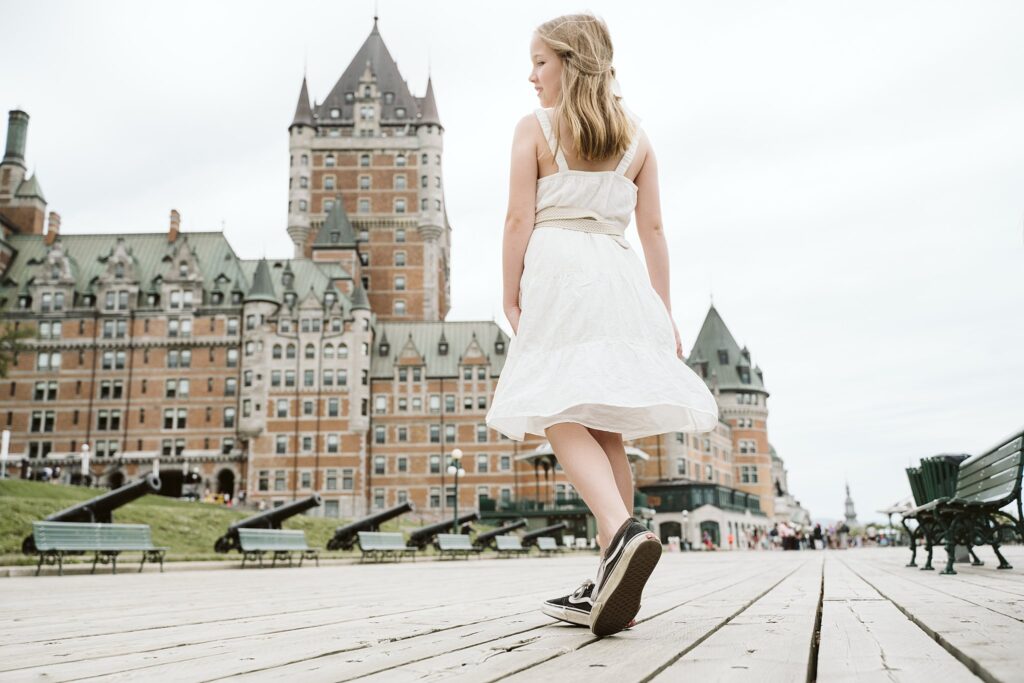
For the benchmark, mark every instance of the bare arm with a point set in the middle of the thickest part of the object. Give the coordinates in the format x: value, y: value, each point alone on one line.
x: 649, y: 227
x: 522, y: 211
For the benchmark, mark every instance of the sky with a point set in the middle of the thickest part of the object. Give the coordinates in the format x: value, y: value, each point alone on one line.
x: 844, y: 180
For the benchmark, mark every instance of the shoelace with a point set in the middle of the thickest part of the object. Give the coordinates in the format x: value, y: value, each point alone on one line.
x: 579, y: 592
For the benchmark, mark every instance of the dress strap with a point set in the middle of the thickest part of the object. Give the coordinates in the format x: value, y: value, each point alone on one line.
x: 627, y: 158
x: 549, y: 135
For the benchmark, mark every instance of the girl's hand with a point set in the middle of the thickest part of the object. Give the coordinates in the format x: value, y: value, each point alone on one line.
x: 679, y: 342
x: 513, y: 312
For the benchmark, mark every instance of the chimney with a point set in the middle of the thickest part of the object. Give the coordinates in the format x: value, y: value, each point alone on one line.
x: 53, y: 229
x: 172, y: 235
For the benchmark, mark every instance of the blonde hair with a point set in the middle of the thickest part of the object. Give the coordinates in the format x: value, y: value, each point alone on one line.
x: 599, y: 125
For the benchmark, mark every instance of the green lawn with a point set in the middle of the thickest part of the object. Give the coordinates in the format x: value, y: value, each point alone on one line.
x: 189, y: 529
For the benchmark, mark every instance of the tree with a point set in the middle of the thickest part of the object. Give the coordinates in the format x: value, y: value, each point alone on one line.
x: 11, y: 344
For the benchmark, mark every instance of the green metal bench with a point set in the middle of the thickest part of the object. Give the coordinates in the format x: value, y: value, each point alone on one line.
x: 509, y: 545
x: 548, y: 545
x: 973, y: 515
x: 382, y: 544
x: 453, y: 545
x: 283, y: 543
x: 54, y: 540
x: 933, y: 481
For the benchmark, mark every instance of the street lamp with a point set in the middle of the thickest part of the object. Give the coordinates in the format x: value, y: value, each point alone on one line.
x: 686, y: 530
x: 85, y: 465
x: 456, y: 470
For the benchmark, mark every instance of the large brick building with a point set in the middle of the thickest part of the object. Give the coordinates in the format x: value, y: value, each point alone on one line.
x: 333, y: 371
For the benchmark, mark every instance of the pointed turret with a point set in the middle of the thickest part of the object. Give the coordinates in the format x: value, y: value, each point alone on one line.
x: 717, y: 348
x: 359, y: 299
x: 30, y: 188
x: 389, y: 80
x: 303, y: 111
x: 428, y: 107
x: 262, y: 288
x: 337, y: 230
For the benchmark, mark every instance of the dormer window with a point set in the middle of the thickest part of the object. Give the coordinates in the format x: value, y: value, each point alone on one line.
x: 744, y: 375
x: 329, y: 298
x: 384, y: 348
x: 335, y: 113
x: 399, y: 112
x: 442, y: 348
x: 367, y: 91
x: 287, y: 278
x: 499, y: 346
x: 350, y: 97
x: 389, y: 97
x: 118, y: 270
x: 55, y: 272
x: 723, y: 356
x: 183, y: 269
x: 289, y: 298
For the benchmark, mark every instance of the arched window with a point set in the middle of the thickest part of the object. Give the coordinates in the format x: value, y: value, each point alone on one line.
x: 310, y: 351
x: 305, y: 159
x: 400, y: 160
x: 328, y: 350
x: 290, y: 352
x: 329, y: 161
x: 364, y: 159
x: 342, y: 350
x: 277, y: 351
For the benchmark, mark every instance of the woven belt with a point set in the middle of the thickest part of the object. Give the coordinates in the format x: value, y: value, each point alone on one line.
x: 583, y: 220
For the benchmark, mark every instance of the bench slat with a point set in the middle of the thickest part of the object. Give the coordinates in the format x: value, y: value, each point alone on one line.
x: 1007, y: 463
x: 973, y: 463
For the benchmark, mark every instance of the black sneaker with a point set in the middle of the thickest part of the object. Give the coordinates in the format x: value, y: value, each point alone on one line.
x: 574, y: 608
x: 629, y: 560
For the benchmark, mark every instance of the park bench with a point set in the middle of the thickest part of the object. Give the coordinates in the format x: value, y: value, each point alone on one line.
x: 283, y: 543
x: 381, y: 544
x: 453, y: 545
x: 548, y: 545
x: 933, y: 480
x: 54, y: 540
x: 985, y: 484
x: 509, y: 545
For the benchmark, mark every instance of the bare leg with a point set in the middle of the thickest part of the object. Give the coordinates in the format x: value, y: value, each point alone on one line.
x: 615, y: 451
x: 588, y: 468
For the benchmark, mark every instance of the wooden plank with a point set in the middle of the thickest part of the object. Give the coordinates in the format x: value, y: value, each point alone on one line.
x: 770, y: 640
x: 987, y: 642
x: 408, y: 611
x: 864, y: 637
x: 565, y: 653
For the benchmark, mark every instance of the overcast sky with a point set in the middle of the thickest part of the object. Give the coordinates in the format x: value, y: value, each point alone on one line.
x: 846, y: 179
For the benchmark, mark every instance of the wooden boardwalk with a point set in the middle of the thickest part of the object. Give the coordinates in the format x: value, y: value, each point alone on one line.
x: 744, y: 616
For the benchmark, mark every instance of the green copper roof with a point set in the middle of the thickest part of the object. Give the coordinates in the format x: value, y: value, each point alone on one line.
x: 337, y: 230
x: 717, y: 351
x: 463, y: 336
x: 262, y: 289
x: 359, y: 299
x: 30, y: 188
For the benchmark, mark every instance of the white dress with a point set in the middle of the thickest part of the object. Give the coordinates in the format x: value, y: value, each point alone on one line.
x: 595, y: 343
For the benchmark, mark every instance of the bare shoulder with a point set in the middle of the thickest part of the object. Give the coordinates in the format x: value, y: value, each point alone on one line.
x: 527, y: 125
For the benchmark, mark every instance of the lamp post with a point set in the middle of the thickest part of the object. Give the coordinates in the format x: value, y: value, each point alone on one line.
x: 456, y: 470
x: 85, y: 465
x: 686, y: 530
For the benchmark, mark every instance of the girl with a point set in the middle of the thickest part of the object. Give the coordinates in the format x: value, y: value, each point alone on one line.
x: 595, y: 358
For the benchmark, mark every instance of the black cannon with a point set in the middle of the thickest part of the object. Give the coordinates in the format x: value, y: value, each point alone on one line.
x: 269, y: 519
x: 99, y: 510
x: 486, y: 539
x: 345, y: 537
x: 424, y: 536
x: 531, y: 538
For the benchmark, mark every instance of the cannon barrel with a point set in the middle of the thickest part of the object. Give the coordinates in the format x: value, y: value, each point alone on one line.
x: 424, y: 536
x: 345, y: 536
x: 486, y: 539
x: 268, y: 519
x: 100, y: 509
x: 531, y: 538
